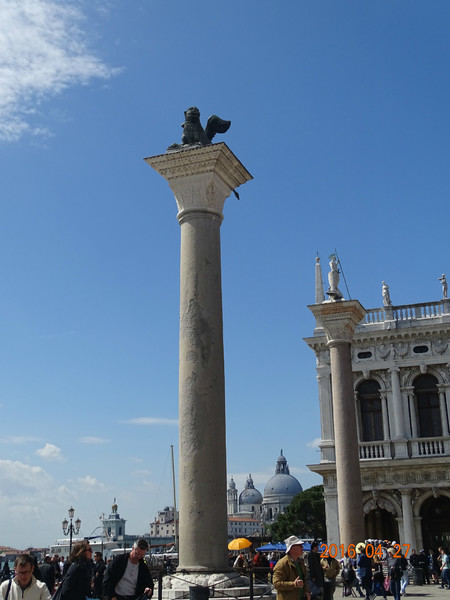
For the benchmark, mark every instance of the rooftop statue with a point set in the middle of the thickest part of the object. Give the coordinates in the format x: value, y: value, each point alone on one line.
x: 444, y: 283
x: 333, y: 279
x: 193, y: 132
x: 386, y: 295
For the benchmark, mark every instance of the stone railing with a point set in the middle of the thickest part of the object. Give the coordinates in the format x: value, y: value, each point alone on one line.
x: 374, y: 450
x: 430, y: 446
x: 405, y: 312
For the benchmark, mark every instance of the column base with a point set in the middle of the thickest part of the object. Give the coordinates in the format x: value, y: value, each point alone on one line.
x: 221, y: 585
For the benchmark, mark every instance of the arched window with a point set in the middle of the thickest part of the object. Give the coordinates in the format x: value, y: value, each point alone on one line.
x: 371, y: 412
x: 427, y: 399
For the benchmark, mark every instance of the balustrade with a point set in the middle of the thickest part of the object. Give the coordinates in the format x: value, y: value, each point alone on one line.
x: 404, y: 312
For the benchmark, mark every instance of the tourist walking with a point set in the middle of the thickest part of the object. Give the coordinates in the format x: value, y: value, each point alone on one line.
x: 445, y: 566
x: 315, y: 573
x: 76, y: 584
x: 24, y: 586
x: 127, y: 576
x: 289, y: 574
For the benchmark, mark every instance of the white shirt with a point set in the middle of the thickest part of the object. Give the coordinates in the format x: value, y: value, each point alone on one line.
x: 127, y: 585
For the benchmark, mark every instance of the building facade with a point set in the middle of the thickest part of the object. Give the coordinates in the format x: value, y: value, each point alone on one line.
x: 165, y: 524
x: 401, y: 380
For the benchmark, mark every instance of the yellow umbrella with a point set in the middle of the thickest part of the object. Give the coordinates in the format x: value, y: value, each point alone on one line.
x: 239, y: 544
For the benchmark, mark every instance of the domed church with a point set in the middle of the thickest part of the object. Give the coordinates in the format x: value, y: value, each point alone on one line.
x: 251, y: 508
x: 279, y: 491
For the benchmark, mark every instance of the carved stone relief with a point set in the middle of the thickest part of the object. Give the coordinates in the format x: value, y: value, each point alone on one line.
x: 323, y: 357
x: 401, y: 349
x: 439, y: 345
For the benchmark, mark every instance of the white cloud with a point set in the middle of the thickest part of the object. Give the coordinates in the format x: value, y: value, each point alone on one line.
x: 28, y: 495
x: 50, y: 452
x: 94, y: 440
x: 44, y: 51
x: 314, y: 444
x: 141, y: 472
x: 151, y: 421
x: 91, y: 483
x: 19, y: 439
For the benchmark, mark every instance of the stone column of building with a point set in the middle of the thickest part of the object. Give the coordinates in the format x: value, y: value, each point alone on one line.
x: 384, y: 413
x: 412, y: 411
x: 408, y: 519
x: 443, y: 408
x: 397, y: 403
x: 339, y: 320
x: 326, y: 418
x: 359, y: 424
x: 201, y: 178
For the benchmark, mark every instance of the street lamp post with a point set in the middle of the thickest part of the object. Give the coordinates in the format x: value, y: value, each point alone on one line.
x: 69, y: 528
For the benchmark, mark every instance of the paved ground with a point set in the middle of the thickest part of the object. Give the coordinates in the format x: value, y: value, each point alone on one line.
x: 431, y: 592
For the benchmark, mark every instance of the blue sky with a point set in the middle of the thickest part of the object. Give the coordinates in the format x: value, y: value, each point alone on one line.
x: 339, y: 109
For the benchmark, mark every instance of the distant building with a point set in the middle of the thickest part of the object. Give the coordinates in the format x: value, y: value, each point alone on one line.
x: 248, y: 512
x: 114, y: 525
x: 401, y: 382
x: 165, y: 524
x: 279, y: 492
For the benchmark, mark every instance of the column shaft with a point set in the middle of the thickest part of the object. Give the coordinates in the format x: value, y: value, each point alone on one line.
x: 201, y: 397
x: 397, y: 403
x: 408, y: 519
x: 351, y: 519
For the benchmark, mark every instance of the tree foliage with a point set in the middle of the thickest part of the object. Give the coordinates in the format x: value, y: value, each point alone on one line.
x: 305, y: 516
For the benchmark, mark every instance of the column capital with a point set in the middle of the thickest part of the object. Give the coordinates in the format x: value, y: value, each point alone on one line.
x: 201, y: 177
x: 339, y: 319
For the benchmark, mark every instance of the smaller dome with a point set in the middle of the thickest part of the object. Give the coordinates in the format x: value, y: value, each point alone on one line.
x: 232, y: 485
x: 250, y: 495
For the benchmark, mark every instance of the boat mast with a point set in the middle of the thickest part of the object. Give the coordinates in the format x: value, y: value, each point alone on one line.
x: 174, y: 502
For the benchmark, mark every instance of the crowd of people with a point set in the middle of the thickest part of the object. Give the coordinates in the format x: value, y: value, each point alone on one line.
x: 376, y: 568
x: 83, y: 575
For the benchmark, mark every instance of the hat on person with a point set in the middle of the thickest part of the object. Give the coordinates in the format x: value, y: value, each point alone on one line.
x: 360, y: 547
x: 292, y: 540
x: 391, y: 550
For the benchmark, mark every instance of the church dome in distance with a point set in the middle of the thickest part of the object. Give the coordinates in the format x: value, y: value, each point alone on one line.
x: 282, y: 483
x: 250, y: 495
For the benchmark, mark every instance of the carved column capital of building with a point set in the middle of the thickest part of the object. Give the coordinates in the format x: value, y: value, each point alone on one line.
x: 394, y: 370
x: 338, y: 319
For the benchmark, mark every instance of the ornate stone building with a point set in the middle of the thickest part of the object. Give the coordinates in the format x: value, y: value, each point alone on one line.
x: 401, y: 377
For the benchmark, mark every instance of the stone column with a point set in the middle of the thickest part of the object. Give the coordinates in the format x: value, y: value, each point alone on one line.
x: 201, y: 178
x: 443, y: 408
x: 397, y: 403
x: 384, y: 412
x: 400, y: 443
x: 412, y: 410
x: 339, y: 320
x: 408, y: 519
